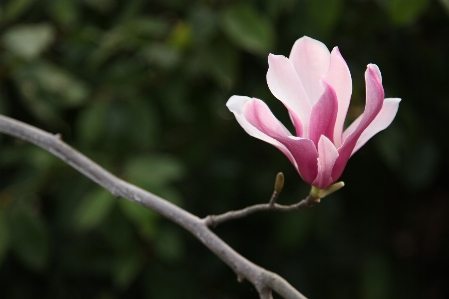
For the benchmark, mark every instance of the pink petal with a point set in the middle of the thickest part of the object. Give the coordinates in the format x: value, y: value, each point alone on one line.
x: 323, y: 116
x: 339, y: 77
x: 239, y: 105
x: 381, y: 122
x: 311, y: 61
x: 327, y: 154
x: 285, y: 85
x: 374, y: 102
x: 257, y: 120
x: 303, y: 150
x: 306, y: 156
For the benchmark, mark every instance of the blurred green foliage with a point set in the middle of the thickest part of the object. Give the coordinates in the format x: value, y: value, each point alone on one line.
x: 141, y: 86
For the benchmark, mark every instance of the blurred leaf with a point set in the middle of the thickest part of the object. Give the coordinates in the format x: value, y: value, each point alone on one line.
x: 153, y: 170
x: 274, y: 8
x: 144, y: 218
x: 161, y: 55
x: 92, y: 121
x: 4, y: 237
x: 28, y: 41
x: 404, y: 12
x: 325, y: 13
x: 70, y: 91
x: 168, y: 245
x: 248, y: 29
x: 102, y: 6
x: 126, y: 268
x: 203, y: 21
x: 30, y: 238
x: 92, y: 209
x: 181, y: 36
x: 15, y: 8
x: 148, y: 27
x: 223, y: 64
x: 65, y: 12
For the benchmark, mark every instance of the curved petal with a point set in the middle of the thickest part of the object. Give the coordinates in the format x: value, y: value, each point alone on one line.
x: 381, y: 122
x: 327, y: 154
x: 303, y: 150
x: 266, y: 123
x: 285, y: 85
x: 374, y: 103
x: 311, y: 61
x: 324, y: 113
x: 305, y: 155
x: 339, y: 77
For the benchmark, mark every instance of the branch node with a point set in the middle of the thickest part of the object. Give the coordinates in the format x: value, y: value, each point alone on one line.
x: 240, y: 278
x: 58, y: 136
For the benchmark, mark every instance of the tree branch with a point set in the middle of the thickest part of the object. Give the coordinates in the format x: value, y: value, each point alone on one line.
x: 263, y: 280
x: 214, y: 220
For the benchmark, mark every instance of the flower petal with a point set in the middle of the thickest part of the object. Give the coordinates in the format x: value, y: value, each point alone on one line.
x: 285, y: 85
x: 381, y: 122
x: 305, y: 155
x: 261, y: 126
x: 327, y: 154
x: 323, y: 116
x: 311, y: 61
x: 303, y: 150
x: 374, y: 103
x: 339, y: 77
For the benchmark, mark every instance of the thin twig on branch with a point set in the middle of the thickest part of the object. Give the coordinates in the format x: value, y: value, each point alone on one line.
x: 263, y: 280
x: 214, y: 220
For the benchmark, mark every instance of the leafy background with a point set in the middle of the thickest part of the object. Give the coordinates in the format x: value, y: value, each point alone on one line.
x: 141, y: 86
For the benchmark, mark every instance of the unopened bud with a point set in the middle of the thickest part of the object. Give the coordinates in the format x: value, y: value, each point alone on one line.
x: 279, y: 183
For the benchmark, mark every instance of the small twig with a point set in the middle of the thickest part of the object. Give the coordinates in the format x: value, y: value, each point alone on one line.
x: 214, y: 220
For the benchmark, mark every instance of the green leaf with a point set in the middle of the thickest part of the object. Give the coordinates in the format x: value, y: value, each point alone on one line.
x: 248, y: 29
x: 404, y: 12
x: 223, y: 64
x: 4, y: 237
x: 65, y: 12
x: 181, y: 36
x: 68, y: 90
x: 153, y: 170
x: 161, y: 55
x: 16, y: 8
x: 92, y: 209
x: 168, y: 245
x: 28, y: 41
x: 148, y: 27
x: 91, y: 122
x: 30, y: 238
x: 144, y: 219
x: 126, y: 268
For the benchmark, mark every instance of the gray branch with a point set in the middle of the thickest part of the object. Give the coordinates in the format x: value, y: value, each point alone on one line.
x: 214, y: 220
x: 263, y: 280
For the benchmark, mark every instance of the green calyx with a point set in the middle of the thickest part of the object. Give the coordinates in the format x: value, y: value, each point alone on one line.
x: 317, y: 194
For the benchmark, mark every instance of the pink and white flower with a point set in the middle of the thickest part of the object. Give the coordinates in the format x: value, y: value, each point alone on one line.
x: 315, y: 86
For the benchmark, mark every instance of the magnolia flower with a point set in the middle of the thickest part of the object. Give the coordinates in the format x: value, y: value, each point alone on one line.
x: 315, y: 86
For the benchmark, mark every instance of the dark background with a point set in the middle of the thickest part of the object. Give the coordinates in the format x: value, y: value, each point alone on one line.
x: 141, y: 86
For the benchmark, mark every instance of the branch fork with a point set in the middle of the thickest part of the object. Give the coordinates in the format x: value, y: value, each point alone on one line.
x: 263, y: 280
